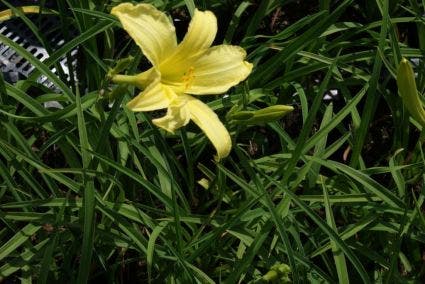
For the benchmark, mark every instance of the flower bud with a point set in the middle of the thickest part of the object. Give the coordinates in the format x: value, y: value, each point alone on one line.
x: 268, y: 114
x: 408, y: 91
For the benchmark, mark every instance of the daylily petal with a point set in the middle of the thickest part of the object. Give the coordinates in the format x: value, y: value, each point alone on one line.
x: 155, y: 96
x: 221, y: 68
x: 199, y: 37
x: 144, y: 79
x: 141, y: 80
x: 150, y: 28
x: 177, y: 115
x: 200, y: 34
x: 211, y: 125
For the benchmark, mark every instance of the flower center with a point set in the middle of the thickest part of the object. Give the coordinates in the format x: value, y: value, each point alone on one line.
x: 188, y: 78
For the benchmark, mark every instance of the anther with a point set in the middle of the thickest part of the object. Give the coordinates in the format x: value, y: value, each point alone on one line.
x: 188, y: 77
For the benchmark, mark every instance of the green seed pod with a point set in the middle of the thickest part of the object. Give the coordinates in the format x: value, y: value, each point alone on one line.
x: 408, y: 91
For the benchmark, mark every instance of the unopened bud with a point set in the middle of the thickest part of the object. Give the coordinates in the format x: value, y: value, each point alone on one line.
x: 408, y: 91
x: 265, y: 115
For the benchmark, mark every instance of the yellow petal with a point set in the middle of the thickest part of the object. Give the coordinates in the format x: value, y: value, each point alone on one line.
x: 8, y: 13
x: 155, y: 96
x: 150, y: 28
x: 176, y: 117
x: 211, y: 125
x: 221, y: 68
x: 204, y: 183
x: 200, y: 34
x: 199, y: 37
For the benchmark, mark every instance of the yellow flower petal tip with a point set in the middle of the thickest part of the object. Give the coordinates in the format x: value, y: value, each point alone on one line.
x: 204, y: 183
x: 151, y: 29
x: 409, y: 92
x: 191, y: 67
x: 178, y: 115
x: 9, y: 13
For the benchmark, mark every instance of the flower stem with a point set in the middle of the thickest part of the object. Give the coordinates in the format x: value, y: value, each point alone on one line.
x: 125, y: 79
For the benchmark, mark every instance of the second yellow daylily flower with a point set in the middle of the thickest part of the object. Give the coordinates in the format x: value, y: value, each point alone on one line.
x: 192, y: 67
x: 8, y: 13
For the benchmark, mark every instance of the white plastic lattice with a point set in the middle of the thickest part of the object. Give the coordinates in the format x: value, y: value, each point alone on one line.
x: 14, y: 66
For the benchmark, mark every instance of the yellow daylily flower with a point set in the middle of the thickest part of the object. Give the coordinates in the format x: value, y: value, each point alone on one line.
x: 178, y: 71
x: 8, y: 13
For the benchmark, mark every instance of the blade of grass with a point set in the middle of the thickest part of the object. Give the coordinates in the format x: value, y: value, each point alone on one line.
x: 326, y: 229
x: 88, y: 198
x: 272, y: 65
x: 339, y: 258
x: 22, y: 236
x: 372, y: 97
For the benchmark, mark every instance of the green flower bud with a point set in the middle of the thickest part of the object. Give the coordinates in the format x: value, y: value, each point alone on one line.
x: 242, y: 115
x: 269, y: 114
x: 120, y: 66
x: 272, y: 275
x: 279, y: 272
x: 283, y: 268
x: 408, y: 91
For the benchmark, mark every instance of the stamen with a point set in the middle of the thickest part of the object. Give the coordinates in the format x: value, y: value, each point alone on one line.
x: 188, y: 77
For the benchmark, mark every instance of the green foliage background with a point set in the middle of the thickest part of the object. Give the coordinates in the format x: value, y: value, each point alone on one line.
x: 94, y: 192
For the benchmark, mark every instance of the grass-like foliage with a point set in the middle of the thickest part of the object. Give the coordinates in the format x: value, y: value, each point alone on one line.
x: 333, y: 192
